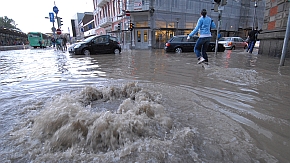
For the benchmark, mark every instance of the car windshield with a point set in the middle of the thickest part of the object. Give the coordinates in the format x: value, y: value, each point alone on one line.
x: 89, y: 39
x: 225, y: 39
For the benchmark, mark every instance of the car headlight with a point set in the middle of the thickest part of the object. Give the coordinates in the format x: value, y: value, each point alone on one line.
x: 77, y: 46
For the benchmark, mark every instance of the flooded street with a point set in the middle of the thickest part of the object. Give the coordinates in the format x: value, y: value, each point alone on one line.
x: 143, y: 106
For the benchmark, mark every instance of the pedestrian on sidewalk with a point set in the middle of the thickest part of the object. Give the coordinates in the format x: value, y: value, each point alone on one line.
x: 253, y: 37
x: 204, y: 25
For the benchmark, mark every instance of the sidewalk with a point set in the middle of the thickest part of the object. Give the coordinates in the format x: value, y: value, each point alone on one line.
x: 15, y: 47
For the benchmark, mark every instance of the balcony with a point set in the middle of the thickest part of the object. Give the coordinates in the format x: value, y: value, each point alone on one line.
x: 101, y: 3
x: 105, y: 22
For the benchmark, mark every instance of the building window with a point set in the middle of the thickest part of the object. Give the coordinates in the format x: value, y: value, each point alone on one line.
x: 189, y: 4
x: 174, y: 4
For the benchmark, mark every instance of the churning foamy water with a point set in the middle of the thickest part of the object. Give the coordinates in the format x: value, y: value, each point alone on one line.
x: 126, y: 123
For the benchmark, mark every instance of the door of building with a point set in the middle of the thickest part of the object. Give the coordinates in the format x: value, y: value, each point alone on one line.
x: 141, y: 39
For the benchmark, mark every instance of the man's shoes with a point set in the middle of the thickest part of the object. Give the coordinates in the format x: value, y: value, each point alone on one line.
x: 201, y: 59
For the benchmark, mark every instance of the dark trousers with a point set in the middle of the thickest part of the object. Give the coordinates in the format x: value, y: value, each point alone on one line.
x: 201, y: 46
x: 251, y: 46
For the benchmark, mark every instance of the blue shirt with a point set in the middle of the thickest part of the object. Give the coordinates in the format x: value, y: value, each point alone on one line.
x: 204, y: 24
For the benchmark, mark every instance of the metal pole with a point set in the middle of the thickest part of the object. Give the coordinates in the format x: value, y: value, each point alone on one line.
x: 53, y: 31
x: 177, y: 21
x: 131, y: 36
x: 286, y: 40
x: 218, y: 31
x: 254, y: 17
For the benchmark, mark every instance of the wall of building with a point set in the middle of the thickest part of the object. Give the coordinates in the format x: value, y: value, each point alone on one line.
x: 274, y: 28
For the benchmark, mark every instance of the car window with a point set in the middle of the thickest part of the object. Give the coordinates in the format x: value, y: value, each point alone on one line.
x: 236, y: 39
x: 97, y: 40
x: 113, y: 39
x: 105, y: 39
x: 192, y: 39
x: 241, y: 40
x: 177, y: 39
x: 101, y: 39
x: 89, y: 39
x: 225, y: 39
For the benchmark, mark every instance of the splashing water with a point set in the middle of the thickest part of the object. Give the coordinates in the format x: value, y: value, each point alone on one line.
x: 122, y: 124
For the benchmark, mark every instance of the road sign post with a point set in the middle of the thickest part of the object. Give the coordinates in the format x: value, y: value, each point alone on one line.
x: 55, y: 10
x: 51, y: 17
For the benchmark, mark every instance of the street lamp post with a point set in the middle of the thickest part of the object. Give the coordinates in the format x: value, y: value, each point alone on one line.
x: 177, y: 21
x: 254, y: 17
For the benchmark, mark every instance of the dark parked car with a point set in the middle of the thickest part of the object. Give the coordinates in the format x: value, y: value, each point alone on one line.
x: 179, y: 44
x: 95, y: 45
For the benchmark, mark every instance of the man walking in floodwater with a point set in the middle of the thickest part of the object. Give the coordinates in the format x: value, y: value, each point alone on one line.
x: 253, y: 36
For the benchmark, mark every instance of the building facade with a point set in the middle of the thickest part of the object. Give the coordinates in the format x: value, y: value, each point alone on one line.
x: 274, y: 28
x: 77, y: 34
x: 156, y: 21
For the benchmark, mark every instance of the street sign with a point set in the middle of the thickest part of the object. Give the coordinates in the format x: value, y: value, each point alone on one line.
x: 51, y: 17
x: 55, y: 10
x: 58, y: 31
x: 127, y: 13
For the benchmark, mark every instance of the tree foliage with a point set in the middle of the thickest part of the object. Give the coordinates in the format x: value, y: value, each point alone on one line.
x: 6, y: 22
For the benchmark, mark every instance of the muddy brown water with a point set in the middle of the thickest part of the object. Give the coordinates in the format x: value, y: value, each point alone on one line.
x: 143, y: 106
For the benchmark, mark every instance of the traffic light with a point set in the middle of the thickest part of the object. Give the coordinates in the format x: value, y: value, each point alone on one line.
x: 59, y: 21
x: 131, y: 26
x: 119, y: 26
x: 217, y: 1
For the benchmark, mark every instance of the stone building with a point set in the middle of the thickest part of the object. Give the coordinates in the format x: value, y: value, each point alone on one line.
x: 274, y: 28
x: 156, y: 21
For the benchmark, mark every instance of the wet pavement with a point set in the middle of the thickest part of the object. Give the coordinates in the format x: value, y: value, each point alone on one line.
x: 143, y: 106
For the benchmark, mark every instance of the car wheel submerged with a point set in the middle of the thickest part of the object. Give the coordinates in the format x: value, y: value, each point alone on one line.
x: 233, y: 48
x: 178, y: 50
x: 86, y: 52
x: 116, y: 51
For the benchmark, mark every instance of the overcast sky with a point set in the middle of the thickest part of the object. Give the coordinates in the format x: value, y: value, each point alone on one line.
x: 29, y: 15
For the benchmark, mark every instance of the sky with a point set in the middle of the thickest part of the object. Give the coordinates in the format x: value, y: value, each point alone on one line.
x: 29, y: 15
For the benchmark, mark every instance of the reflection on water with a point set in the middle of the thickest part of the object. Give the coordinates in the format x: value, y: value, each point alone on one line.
x: 143, y: 106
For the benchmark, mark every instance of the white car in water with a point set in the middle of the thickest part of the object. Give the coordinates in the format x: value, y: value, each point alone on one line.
x: 233, y: 42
